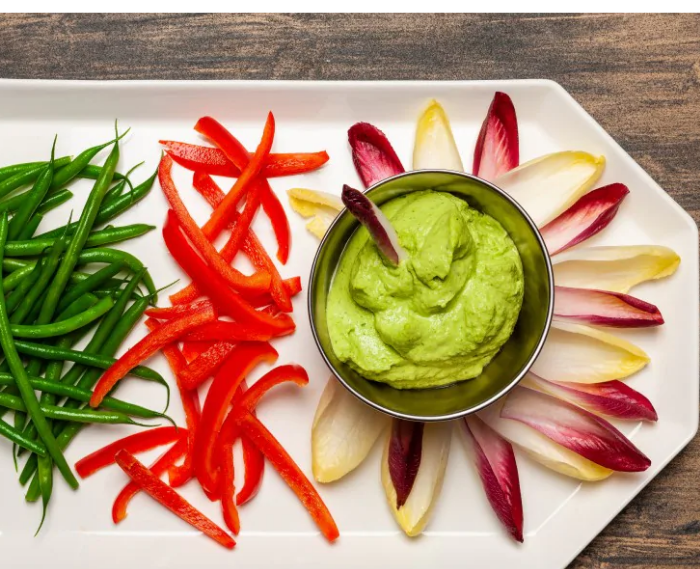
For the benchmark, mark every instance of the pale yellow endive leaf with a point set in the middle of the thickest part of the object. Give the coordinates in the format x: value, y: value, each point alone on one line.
x: 435, y: 146
x: 615, y: 268
x: 574, y: 352
x: 542, y: 449
x: 343, y: 433
x: 414, y: 515
x: 548, y: 185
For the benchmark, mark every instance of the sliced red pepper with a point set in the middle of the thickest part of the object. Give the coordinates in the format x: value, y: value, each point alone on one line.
x: 229, y: 331
x: 214, y: 162
x: 139, y: 442
x: 207, y: 364
x: 226, y: 142
x: 180, y: 475
x: 166, y: 496
x: 159, y: 467
x: 278, y: 219
x: 290, y: 372
x: 254, y: 462
x: 255, y: 284
x: 192, y: 349
x: 251, y: 245
x: 243, y: 359
x: 271, y: 204
x: 168, y: 333
x: 292, y: 286
x: 228, y: 504
x: 290, y: 472
x: 166, y: 313
x: 225, y: 299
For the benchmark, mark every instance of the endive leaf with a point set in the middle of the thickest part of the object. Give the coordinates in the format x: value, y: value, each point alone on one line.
x: 548, y: 185
x: 343, y: 433
x: 435, y: 146
x: 574, y: 428
x: 610, y: 398
x: 372, y: 154
x: 615, y: 268
x: 542, y: 449
x: 319, y: 225
x: 322, y: 207
x: 589, y: 215
x: 604, y: 308
x: 581, y: 354
x: 380, y: 229
x: 495, y: 461
x: 415, y: 512
x: 497, y: 148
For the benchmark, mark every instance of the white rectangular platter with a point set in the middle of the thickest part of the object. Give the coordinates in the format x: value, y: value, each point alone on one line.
x: 561, y: 516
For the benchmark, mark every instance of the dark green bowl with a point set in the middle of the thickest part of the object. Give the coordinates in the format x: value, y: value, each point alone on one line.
x: 516, y: 356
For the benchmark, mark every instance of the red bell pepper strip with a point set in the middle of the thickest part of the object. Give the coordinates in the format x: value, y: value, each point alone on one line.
x: 168, y: 333
x: 211, y: 284
x: 278, y: 219
x: 165, y: 495
x: 290, y: 372
x: 290, y: 472
x: 166, y: 313
x: 256, y: 283
x: 251, y: 245
x: 159, y: 467
x: 228, y: 504
x: 229, y: 331
x: 225, y: 141
x: 179, y: 475
x: 241, y: 157
x: 139, y: 442
x: 192, y: 349
x: 254, y: 462
x: 243, y: 359
x: 214, y: 162
x: 207, y: 364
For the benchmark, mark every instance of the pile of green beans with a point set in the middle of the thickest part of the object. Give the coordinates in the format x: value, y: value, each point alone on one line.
x: 57, y: 288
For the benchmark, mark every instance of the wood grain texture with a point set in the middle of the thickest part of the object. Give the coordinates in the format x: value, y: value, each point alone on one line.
x: 638, y: 75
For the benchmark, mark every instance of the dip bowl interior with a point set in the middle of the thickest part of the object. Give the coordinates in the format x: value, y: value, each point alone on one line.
x: 515, y: 357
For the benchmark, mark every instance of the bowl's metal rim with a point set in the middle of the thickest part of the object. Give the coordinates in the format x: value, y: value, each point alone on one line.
x: 506, y: 389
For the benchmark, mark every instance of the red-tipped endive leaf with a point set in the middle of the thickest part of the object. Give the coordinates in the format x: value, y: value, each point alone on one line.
x: 604, y: 308
x: 405, y: 449
x: 379, y: 227
x: 414, y: 514
x: 589, y: 215
x: 497, y: 148
x: 574, y: 428
x: 372, y: 154
x: 495, y: 461
x: 542, y: 449
x: 610, y: 398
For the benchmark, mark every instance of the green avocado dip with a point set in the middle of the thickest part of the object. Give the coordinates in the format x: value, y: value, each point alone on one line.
x: 442, y: 314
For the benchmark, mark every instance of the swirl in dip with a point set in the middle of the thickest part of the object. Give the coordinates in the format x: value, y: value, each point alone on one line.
x: 442, y: 314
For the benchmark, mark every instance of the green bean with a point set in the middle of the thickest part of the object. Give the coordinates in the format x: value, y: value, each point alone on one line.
x: 106, y: 236
x: 9, y: 171
x: 92, y: 172
x: 118, y: 188
x: 20, y: 291
x: 54, y: 200
x: 48, y: 268
x: 12, y: 434
x: 114, y: 207
x: 45, y: 476
x: 104, y: 329
x: 22, y: 381
x: 14, y: 264
x: 107, y: 255
x: 85, y: 223
x: 67, y: 414
x: 78, y: 164
x: 28, y: 176
x: 31, y: 227
x: 64, y: 326
x: 35, y: 196
x: 92, y: 282
x: 16, y: 277
x: 83, y: 395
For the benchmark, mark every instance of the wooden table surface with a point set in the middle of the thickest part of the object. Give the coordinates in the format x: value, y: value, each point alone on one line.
x: 637, y: 75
